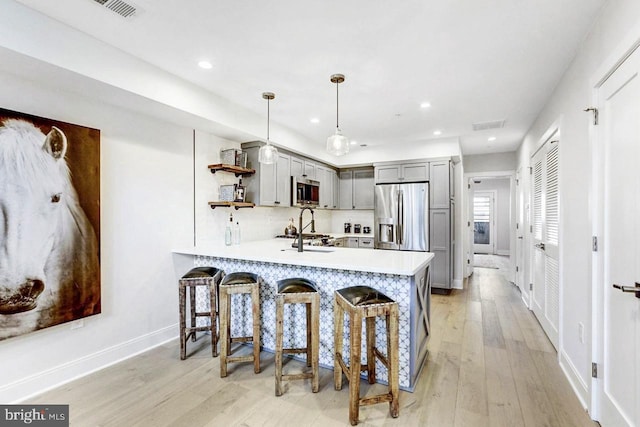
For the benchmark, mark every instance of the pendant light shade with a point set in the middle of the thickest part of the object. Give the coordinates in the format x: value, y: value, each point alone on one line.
x: 268, y: 154
x: 337, y: 144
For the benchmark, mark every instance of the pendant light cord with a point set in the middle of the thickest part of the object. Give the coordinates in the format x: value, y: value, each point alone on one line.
x: 268, y: 119
x: 337, y: 106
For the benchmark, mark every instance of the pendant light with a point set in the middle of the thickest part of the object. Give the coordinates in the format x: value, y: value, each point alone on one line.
x: 268, y: 154
x: 337, y: 144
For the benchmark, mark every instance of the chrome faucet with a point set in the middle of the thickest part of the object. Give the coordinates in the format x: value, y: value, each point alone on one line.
x: 300, y: 228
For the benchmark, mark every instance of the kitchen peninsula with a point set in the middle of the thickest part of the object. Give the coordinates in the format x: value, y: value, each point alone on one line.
x: 403, y: 276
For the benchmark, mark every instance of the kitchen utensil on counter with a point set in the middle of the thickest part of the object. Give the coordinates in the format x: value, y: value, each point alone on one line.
x: 356, y: 228
x: 366, y: 230
x: 290, y: 230
x: 347, y: 227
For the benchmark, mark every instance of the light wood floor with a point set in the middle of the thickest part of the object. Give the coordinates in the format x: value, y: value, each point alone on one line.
x: 489, y: 364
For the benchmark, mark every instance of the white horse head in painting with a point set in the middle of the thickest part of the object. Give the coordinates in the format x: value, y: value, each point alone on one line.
x: 49, y: 269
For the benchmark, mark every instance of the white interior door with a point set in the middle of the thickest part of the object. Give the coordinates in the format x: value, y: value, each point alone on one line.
x: 545, y: 238
x: 519, y: 230
x: 618, y: 386
x: 484, y: 222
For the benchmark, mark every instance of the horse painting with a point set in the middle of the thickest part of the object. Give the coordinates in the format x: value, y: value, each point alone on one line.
x: 49, y: 267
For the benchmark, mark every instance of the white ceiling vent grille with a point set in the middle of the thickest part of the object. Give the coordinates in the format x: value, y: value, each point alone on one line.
x: 120, y: 7
x: 496, y: 124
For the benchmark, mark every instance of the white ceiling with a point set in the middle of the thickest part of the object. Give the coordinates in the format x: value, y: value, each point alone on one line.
x: 474, y: 61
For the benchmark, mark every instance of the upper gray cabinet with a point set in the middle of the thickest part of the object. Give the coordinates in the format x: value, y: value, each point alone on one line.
x: 440, y: 184
x: 271, y: 184
x: 402, y: 172
x: 303, y: 168
x: 356, y: 188
x: 328, y: 187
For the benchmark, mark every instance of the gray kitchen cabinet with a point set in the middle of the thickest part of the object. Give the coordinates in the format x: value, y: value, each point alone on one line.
x: 325, y: 177
x: 356, y: 188
x: 365, y: 242
x: 402, y: 172
x: 302, y: 167
x: 440, y: 184
x: 297, y: 166
x: 351, y: 242
x: 335, y: 190
x: 271, y: 184
x: 440, y: 245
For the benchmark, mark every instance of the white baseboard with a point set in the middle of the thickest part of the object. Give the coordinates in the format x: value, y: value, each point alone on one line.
x: 41, y: 382
x: 578, y: 385
x: 506, y: 252
x: 457, y: 284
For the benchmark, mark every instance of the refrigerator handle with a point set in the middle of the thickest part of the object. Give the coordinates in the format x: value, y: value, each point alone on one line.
x: 400, y: 216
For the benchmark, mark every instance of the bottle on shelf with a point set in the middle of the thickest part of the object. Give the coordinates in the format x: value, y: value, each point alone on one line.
x: 236, y: 234
x: 239, y: 192
x: 228, y: 231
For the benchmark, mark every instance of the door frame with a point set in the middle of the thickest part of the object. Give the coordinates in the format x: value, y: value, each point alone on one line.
x: 467, y: 237
x: 596, y: 195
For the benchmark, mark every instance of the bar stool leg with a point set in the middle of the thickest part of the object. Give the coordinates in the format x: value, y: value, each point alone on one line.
x: 392, y: 354
x: 354, y: 367
x: 338, y: 327
x: 192, y: 302
x: 308, y: 311
x: 279, y: 344
x: 213, y: 320
x: 255, y: 303
x: 183, y: 322
x: 315, y: 342
x: 371, y: 345
x: 225, y: 315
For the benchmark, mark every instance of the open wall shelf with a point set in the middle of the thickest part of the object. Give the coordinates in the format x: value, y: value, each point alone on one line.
x: 236, y: 205
x: 239, y: 171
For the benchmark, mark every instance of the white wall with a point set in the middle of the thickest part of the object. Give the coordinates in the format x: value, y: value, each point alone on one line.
x: 490, y: 162
x: 146, y: 186
x: 572, y: 95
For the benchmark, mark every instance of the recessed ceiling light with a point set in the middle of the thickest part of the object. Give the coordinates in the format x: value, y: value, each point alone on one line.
x: 353, y: 142
x: 491, y: 138
x: 315, y: 120
x: 437, y: 132
x: 425, y: 105
x: 205, y: 64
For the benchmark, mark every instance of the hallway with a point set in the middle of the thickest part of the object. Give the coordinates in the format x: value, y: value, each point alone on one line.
x: 489, y: 364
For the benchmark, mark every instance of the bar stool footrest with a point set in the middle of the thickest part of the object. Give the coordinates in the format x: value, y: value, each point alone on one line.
x: 241, y: 339
x: 294, y: 350
x: 301, y: 376
x: 372, y: 400
x: 235, y: 359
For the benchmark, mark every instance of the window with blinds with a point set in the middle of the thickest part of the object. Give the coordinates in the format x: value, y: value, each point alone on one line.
x: 551, y: 197
x: 481, y: 219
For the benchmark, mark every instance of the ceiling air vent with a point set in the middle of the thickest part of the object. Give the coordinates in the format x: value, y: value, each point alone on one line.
x: 496, y: 124
x: 123, y: 9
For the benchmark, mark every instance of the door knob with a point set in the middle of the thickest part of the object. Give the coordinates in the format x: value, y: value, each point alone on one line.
x: 635, y: 289
x: 520, y: 237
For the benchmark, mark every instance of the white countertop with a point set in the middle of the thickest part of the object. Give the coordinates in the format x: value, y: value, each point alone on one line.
x: 279, y: 251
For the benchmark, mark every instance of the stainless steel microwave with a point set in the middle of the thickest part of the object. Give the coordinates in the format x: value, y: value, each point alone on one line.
x: 304, y: 192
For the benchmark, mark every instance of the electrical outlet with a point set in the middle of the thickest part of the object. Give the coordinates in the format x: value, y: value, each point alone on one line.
x: 581, y: 332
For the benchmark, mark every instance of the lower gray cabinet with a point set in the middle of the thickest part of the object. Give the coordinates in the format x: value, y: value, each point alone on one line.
x: 440, y: 246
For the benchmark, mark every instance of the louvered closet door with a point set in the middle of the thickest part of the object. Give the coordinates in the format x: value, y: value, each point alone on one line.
x: 545, y: 237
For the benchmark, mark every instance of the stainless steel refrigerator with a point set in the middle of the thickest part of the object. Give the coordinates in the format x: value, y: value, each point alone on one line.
x: 401, y: 216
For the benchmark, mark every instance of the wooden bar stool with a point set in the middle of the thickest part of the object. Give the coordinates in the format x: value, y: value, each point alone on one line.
x: 298, y: 291
x: 239, y: 283
x: 208, y: 277
x: 363, y: 302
